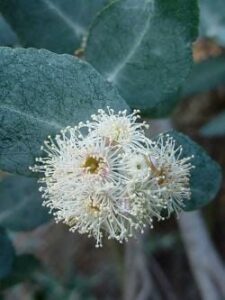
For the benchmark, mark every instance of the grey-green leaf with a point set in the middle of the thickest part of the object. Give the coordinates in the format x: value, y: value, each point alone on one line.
x: 206, y: 177
x: 216, y: 127
x: 42, y: 92
x: 144, y: 48
x: 7, y: 254
x: 20, y: 205
x: 56, y: 25
x: 205, y: 76
x: 7, y: 36
x: 212, y: 17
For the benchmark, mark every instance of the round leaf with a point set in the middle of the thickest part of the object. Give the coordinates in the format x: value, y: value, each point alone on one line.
x: 144, y: 48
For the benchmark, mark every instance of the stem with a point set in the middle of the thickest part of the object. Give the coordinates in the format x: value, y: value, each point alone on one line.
x: 138, y: 280
x: 130, y: 276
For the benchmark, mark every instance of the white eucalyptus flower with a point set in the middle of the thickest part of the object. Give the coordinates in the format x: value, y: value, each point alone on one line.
x: 106, y: 178
x: 120, y: 129
x: 171, y: 173
x: 136, y: 166
x: 142, y: 187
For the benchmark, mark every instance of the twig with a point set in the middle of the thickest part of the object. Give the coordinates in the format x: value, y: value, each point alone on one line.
x: 148, y: 289
x: 130, y: 274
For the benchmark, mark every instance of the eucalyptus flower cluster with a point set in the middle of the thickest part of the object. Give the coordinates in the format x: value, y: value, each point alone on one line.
x: 105, y: 177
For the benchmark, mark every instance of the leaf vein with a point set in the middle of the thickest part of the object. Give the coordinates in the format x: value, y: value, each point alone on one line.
x: 112, y: 76
x: 26, y: 115
x: 77, y: 29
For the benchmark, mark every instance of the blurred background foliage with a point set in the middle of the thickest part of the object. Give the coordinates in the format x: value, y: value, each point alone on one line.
x: 39, y: 260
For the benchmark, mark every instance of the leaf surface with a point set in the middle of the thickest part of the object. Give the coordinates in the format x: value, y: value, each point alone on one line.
x: 206, y: 177
x: 40, y: 93
x: 20, y: 205
x: 144, y: 48
x: 56, y: 25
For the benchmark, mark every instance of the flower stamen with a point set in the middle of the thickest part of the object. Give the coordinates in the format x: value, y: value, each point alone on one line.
x: 93, y: 164
x: 113, y: 179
